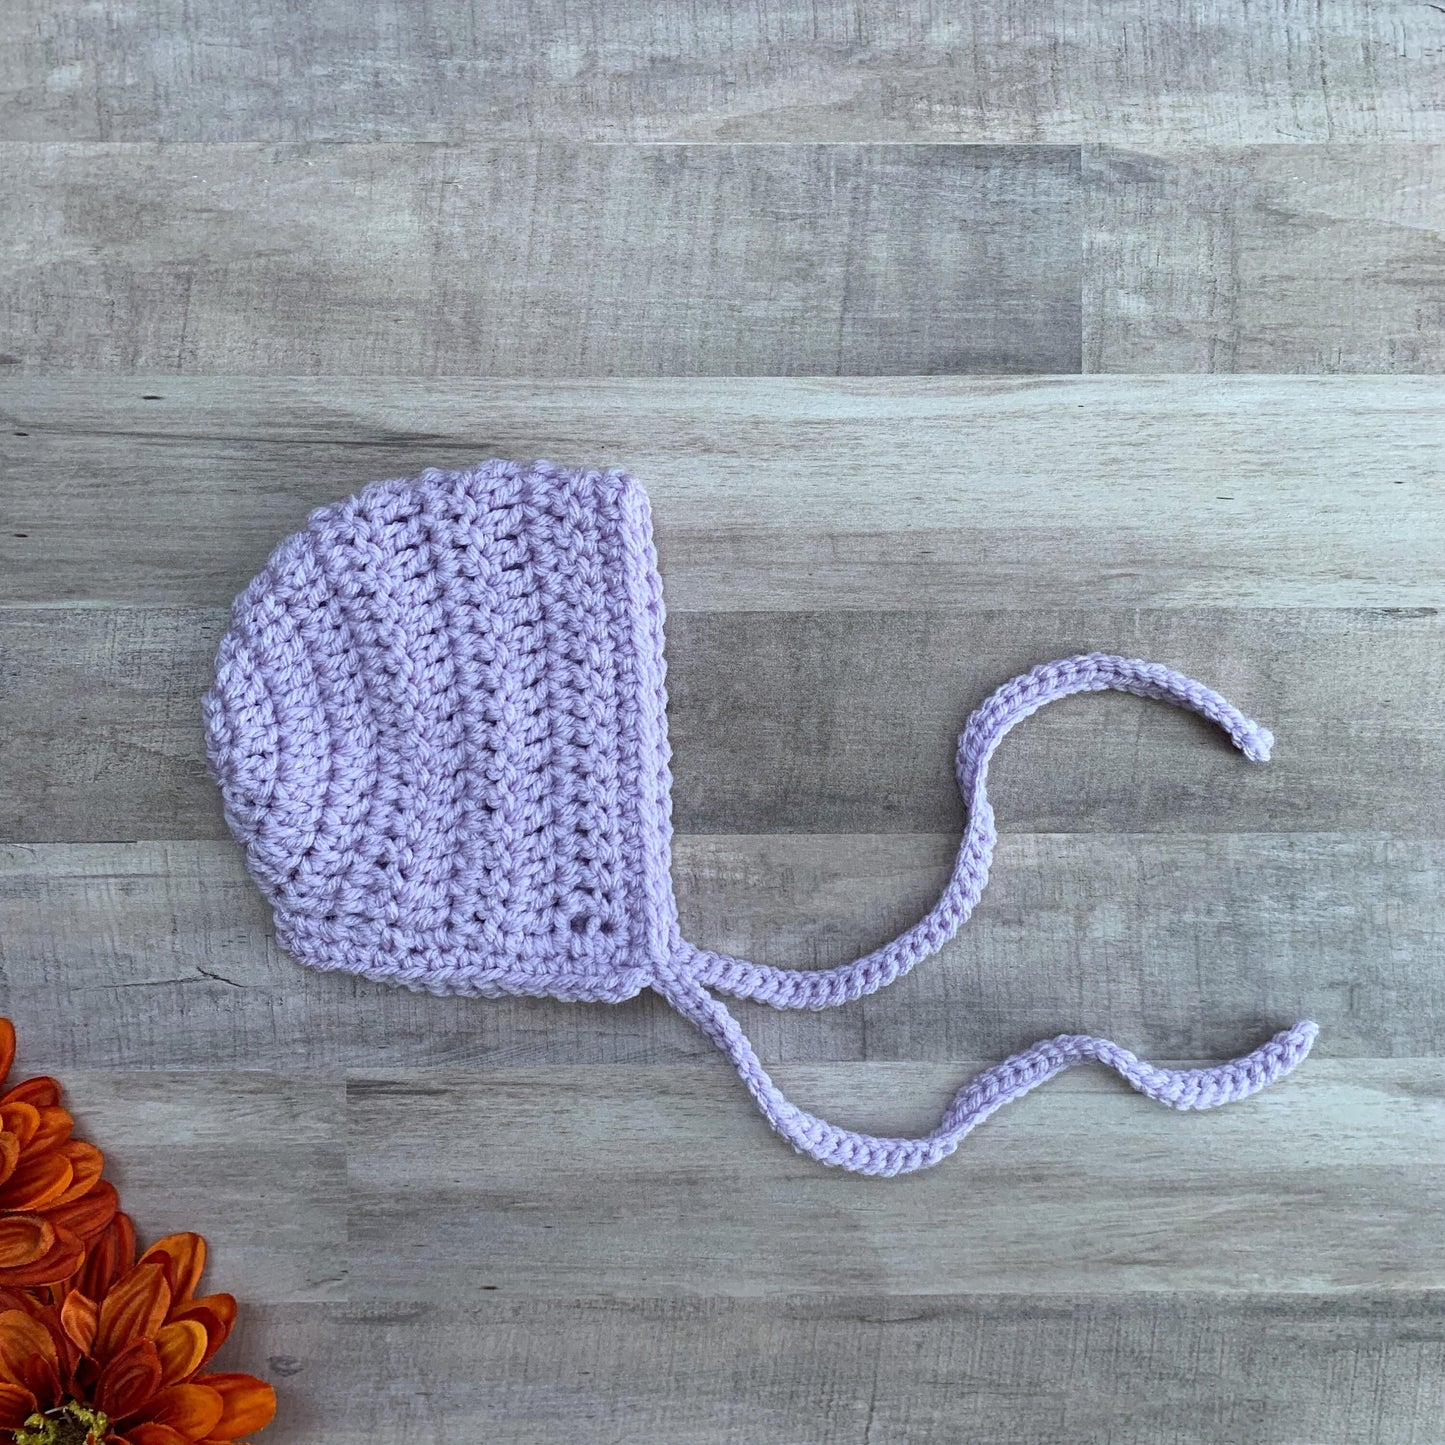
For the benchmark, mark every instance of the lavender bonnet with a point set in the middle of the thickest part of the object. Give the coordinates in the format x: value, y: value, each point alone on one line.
x: 439, y: 727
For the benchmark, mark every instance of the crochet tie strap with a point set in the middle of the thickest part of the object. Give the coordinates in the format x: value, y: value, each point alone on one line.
x: 684, y: 980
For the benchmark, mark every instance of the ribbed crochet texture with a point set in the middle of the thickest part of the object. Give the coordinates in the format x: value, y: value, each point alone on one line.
x: 439, y: 727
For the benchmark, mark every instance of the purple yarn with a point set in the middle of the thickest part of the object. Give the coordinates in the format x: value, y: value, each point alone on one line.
x: 439, y: 727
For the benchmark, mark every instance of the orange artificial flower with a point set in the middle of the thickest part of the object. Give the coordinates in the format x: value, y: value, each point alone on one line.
x: 52, y: 1198
x: 115, y: 1356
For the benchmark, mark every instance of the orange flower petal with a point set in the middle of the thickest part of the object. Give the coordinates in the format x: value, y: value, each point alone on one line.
x: 86, y: 1162
x: 184, y: 1256
x: 20, y: 1119
x: 249, y: 1404
x: 79, y: 1316
x: 184, y: 1347
x: 216, y: 1313
x: 134, y: 1310
x: 110, y: 1255
x: 130, y: 1380
x: 7, y: 1047
x: 222, y: 1306
x: 24, y: 1238
x: 42, y: 1091
x: 150, y: 1433
x: 38, y: 1180
x: 88, y: 1215
x: 55, y: 1127
x: 27, y: 1355
x: 59, y: 1262
x: 17, y: 1405
x: 19, y: 1299
x: 194, y: 1410
x: 9, y: 1155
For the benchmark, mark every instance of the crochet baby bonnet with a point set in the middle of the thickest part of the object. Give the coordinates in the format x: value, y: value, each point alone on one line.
x: 439, y: 727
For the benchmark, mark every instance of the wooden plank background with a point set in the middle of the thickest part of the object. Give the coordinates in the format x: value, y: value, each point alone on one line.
x: 511, y: 259
x: 945, y: 341
x: 795, y: 70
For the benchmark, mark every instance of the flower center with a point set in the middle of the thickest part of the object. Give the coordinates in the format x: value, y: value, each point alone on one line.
x: 69, y: 1424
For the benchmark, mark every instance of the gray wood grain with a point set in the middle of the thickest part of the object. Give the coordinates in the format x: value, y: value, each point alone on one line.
x: 1179, y: 945
x: 445, y: 261
x: 834, y: 722
x: 1217, y: 71
x: 1329, y: 1182
x: 716, y: 259
x: 1273, y: 258
x: 860, y: 494
x: 252, y: 1160
x: 1253, y: 1369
